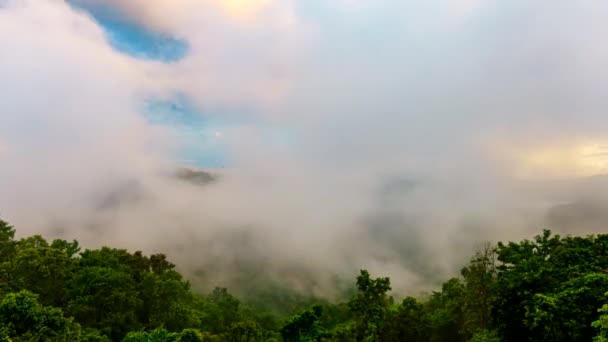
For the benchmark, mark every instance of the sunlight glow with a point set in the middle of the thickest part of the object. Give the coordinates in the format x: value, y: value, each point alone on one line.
x: 242, y: 8
x: 579, y: 160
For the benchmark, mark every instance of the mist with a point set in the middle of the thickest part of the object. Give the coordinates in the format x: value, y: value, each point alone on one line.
x: 388, y: 135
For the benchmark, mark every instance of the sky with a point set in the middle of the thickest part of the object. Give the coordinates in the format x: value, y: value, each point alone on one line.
x: 346, y: 134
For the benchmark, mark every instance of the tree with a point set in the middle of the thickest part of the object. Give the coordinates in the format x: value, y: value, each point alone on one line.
x: 445, y: 316
x: 93, y: 335
x: 44, y: 271
x: 160, y: 264
x: 548, y: 289
x: 369, y: 306
x: 105, y: 299
x: 163, y: 335
x: 485, y: 335
x: 190, y: 335
x: 525, y: 271
x: 245, y: 331
x: 5, y: 334
x: 8, y: 249
x: 220, y: 310
x: 7, y: 241
x: 24, y: 317
x: 601, y: 324
x: 71, y: 249
x: 34, y: 241
x: 406, y: 323
x: 479, y: 277
x: 167, y: 301
x: 568, y: 313
x: 304, y: 326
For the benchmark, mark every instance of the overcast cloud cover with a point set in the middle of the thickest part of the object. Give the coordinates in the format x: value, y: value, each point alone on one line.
x: 388, y: 135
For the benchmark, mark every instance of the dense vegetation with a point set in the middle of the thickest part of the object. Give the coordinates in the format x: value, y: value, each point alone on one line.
x: 550, y: 288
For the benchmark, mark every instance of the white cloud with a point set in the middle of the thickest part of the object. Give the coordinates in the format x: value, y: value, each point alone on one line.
x: 408, y: 126
x: 68, y: 112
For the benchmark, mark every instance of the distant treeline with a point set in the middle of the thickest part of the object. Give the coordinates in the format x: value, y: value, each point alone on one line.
x: 550, y: 288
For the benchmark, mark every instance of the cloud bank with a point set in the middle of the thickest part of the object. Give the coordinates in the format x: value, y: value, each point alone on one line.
x: 388, y: 135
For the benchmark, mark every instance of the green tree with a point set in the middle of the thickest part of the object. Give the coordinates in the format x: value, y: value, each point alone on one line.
x: 156, y: 335
x: 71, y: 249
x: 5, y: 334
x: 44, y: 271
x: 568, y: 313
x: 159, y: 264
x: 34, y: 241
x: 479, y: 277
x: 343, y: 333
x: 246, y: 331
x: 220, y: 310
x: 445, y: 316
x: 406, y: 323
x: 548, y: 289
x: 93, y: 335
x: 25, y: 318
x: 601, y: 324
x: 105, y: 299
x: 525, y: 270
x: 8, y: 249
x: 168, y: 301
x: 485, y: 336
x: 369, y: 306
x: 304, y: 326
x: 190, y: 335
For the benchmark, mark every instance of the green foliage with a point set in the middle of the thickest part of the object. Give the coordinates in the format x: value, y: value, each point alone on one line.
x: 93, y: 335
x: 70, y: 249
x: 485, y: 336
x: 544, y: 289
x: 163, y: 335
x: 245, y: 331
x: 166, y: 298
x: 190, y: 335
x: 343, y: 333
x: 407, y: 322
x: 304, y: 326
x: 23, y: 317
x: 369, y: 306
x: 5, y: 334
x: 157, y: 335
x: 7, y: 241
x: 601, y: 324
x: 43, y: 270
x: 8, y: 249
x: 444, y: 311
x: 220, y: 310
x: 105, y: 299
x: 566, y: 314
x: 479, y: 277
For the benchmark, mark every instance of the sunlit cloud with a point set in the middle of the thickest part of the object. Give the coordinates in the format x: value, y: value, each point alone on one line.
x: 555, y: 159
x: 580, y: 160
x: 242, y: 8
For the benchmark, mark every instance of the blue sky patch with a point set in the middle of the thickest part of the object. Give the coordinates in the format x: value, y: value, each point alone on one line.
x: 131, y: 38
x: 199, y: 138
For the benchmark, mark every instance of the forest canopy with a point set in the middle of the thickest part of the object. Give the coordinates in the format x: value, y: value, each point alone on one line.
x: 549, y: 288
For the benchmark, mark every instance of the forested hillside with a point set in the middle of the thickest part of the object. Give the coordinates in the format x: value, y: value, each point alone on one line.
x: 550, y: 288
